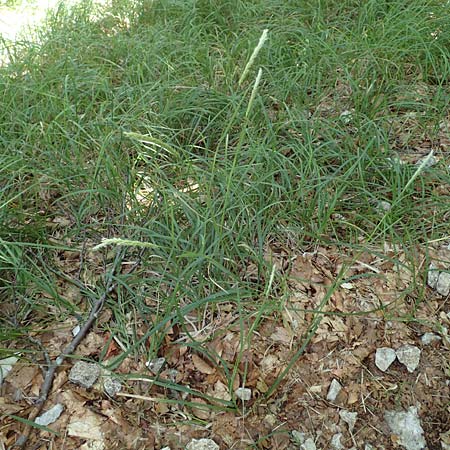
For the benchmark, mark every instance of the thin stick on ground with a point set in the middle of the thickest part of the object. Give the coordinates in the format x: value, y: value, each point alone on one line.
x: 54, y: 365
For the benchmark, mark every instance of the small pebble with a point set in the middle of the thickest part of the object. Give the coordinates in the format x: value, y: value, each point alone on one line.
x: 349, y: 418
x: 409, y: 355
x: 428, y: 161
x: 84, y: 374
x: 50, y: 416
x: 112, y: 386
x: 6, y: 366
x: 202, y: 444
x: 428, y: 338
x: 173, y: 374
x: 433, y: 276
x: 384, y: 206
x: 336, y: 441
x: 384, y: 357
x: 333, y: 391
x: 305, y: 442
x: 346, y: 116
x: 308, y: 445
x: 155, y: 365
x: 298, y: 437
x: 245, y: 394
x: 406, y: 426
x: 443, y: 284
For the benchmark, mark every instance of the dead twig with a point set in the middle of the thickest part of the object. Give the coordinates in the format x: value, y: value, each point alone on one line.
x: 54, y: 365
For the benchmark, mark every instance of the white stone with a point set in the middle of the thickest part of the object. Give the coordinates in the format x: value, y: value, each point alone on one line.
x: 244, y: 394
x: 409, y: 355
x: 50, y: 416
x: 433, y: 276
x: 333, y: 391
x: 428, y: 338
x: 6, y: 366
x: 346, y: 116
x: 303, y: 440
x: 299, y: 437
x: 384, y: 206
x: 336, y: 441
x: 112, y: 386
x: 85, y: 374
x: 202, y: 444
x: 349, y: 418
x: 406, y: 425
x: 155, y: 365
x: 443, y: 284
x: 308, y: 445
x: 428, y: 161
x: 384, y: 357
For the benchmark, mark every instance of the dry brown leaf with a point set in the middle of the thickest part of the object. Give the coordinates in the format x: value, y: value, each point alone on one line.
x: 220, y: 391
x: 91, y: 344
x: 21, y: 376
x: 86, y: 425
x: 282, y: 336
x: 9, y: 408
x: 202, y: 366
x: 201, y: 413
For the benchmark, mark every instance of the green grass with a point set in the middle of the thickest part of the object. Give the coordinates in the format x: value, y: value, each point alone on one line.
x: 149, y: 94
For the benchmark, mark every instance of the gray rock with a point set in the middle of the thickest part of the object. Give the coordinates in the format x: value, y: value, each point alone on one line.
x: 433, y: 276
x: 384, y: 357
x: 173, y: 374
x: 346, y: 116
x: 406, y: 425
x: 349, y: 418
x: 244, y: 394
x: 202, y: 444
x: 50, y: 416
x: 409, y: 355
x: 384, y: 206
x: 112, y: 386
x: 155, y: 365
x: 443, y: 284
x: 299, y: 437
x: 302, y: 439
x: 308, y: 445
x: 6, y: 366
x: 333, y: 391
x: 336, y: 441
x: 428, y: 161
x: 429, y: 338
x: 84, y: 374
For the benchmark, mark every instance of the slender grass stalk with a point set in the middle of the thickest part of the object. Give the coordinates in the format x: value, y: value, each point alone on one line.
x: 253, y: 56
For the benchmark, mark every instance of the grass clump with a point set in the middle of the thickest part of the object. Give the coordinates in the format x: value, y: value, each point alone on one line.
x: 146, y: 122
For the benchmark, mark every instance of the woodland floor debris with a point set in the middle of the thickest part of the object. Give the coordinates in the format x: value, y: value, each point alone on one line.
x: 272, y: 266
x: 343, y: 349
